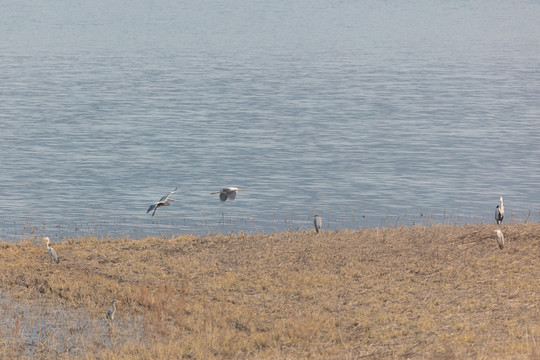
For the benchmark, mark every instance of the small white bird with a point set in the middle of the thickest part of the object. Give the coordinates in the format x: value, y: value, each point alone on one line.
x: 111, y: 312
x: 499, y: 212
x: 164, y: 201
x: 500, y: 238
x: 51, y: 251
x: 227, y: 193
x: 317, y: 222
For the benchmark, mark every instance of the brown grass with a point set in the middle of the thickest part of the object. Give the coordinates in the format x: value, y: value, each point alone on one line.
x: 442, y: 292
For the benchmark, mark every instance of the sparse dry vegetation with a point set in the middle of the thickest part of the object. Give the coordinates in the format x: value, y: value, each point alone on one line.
x: 440, y: 292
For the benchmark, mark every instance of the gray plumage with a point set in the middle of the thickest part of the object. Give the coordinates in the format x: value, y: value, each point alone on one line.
x: 111, y: 312
x: 500, y: 238
x: 499, y: 212
x: 51, y: 251
x: 227, y: 193
x: 317, y: 222
x: 164, y: 201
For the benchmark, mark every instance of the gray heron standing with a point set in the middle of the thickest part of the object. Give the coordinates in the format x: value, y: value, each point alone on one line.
x: 111, y: 312
x: 499, y: 212
x: 227, y: 193
x: 51, y: 251
x: 317, y: 222
x: 500, y: 238
x: 164, y: 201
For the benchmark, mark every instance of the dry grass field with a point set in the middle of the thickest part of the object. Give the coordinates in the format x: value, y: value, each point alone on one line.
x: 437, y: 292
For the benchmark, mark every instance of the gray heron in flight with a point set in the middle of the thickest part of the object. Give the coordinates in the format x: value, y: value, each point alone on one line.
x: 227, y: 193
x: 51, y: 251
x: 317, y: 222
x: 500, y: 238
x: 111, y: 312
x: 499, y: 212
x: 164, y: 201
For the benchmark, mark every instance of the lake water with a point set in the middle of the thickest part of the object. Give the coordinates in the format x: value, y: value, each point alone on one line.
x: 370, y: 113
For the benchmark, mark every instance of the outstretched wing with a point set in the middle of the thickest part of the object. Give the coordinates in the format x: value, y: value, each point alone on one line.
x: 231, y: 194
x: 164, y: 198
x: 223, y: 196
x: 152, y: 207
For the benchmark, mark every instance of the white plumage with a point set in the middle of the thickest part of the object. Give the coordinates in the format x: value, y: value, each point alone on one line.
x: 500, y: 238
x: 51, y: 251
x: 164, y: 201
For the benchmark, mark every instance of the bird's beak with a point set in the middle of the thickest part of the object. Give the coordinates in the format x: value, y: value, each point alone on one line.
x: 240, y: 189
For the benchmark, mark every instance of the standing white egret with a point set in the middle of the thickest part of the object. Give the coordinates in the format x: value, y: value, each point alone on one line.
x: 111, y: 312
x: 317, y: 222
x: 227, y: 193
x: 500, y: 238
x: 51, y: 251
x: 499, y: 212
x: 164, y: 201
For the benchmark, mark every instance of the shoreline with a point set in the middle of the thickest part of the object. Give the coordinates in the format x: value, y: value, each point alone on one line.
x: 380, y: 292
x: 144, y: 227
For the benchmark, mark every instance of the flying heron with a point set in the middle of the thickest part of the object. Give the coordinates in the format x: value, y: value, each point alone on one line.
x: 51, y: 251
x: 499, y: 212
x: 227, y: 193
x: 164, y: 201
x: 111, y: 312
x: 317, y: 222
x: 500, y: 238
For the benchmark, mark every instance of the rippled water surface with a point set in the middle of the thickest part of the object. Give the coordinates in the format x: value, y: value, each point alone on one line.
x: 367, y: 113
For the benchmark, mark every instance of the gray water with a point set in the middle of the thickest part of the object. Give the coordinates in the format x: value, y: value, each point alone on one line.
x: 370, y: 113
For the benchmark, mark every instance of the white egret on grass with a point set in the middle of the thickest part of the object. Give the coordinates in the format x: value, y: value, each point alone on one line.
x: 51, y: 251
x: 499, y: 212
x: 227, y: 193
x: 500, y: 238
x: 164, y: 201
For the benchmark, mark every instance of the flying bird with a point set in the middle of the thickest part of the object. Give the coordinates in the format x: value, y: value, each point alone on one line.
x: 111, y: 312
x: 51, y: 251
x: 227, y: 193
x: 500, y: 238
x: 499, y: 212
x: 164, y: 201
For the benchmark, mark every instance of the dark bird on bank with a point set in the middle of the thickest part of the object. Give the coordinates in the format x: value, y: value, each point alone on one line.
x: 317, y: 222
x: 499, y: 212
